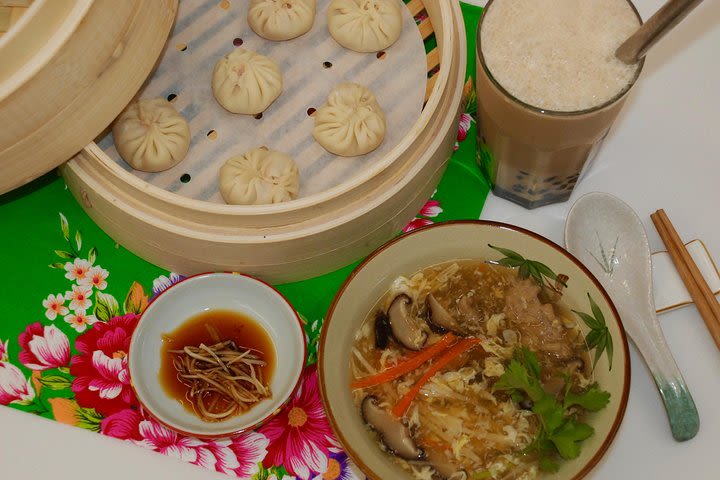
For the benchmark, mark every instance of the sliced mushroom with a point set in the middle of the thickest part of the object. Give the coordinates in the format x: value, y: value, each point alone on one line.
x: 382, y: 330
x: 405, y: 328
x: 441, y: 318
x: 393, y: 433
x: 443, y: 465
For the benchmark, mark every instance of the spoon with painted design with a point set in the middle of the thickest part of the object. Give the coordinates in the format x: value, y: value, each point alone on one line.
x: 606, y: 235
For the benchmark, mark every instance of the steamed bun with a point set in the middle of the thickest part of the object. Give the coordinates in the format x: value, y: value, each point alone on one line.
x: 259, y: 176
x: 246, y: 82
x: 281, y: 19
x: 351, y: 122
x: 365, y: 25
x: 150, y: 135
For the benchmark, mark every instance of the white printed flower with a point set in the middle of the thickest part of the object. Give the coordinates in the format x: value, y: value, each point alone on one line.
x: 14, y: 387
x: 95, y: 278
x: 80, y: 320
x: 77, y: 270
x: 55, y: 305
x: 79, y: 297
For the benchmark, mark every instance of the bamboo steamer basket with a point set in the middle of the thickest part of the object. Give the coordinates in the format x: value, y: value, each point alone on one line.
x: 298, y: 239
x: 69, y: 62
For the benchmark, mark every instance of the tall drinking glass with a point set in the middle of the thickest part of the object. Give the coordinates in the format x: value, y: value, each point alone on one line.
x: 535, y: 143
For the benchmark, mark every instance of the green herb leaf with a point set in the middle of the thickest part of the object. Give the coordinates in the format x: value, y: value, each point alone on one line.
x: 529, y: 360
x: 592, y: 399
x: 551, y: 413
x: 511, y: 262
x: 567, y: 439
x: 547, y: 464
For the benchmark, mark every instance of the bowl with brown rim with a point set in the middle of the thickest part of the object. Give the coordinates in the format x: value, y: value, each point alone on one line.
x: 596, y: 320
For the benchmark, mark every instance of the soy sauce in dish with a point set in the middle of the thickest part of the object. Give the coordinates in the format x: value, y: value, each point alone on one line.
x: 215, y: 328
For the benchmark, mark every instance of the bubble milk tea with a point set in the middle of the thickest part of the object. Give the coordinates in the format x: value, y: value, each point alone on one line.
x: 548, y: 89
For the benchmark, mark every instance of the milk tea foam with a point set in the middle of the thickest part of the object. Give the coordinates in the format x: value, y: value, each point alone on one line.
x: 558, y: 54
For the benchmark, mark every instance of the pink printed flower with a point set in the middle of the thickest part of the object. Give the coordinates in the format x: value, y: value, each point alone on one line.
x: 3, y: 351
x: 431, y: 209
x: 239, y: 455
x: 95, y: 278
x: 43, y: 348
x: 79, y: 297
x: 464, y: 126
x: 300, y: 436
x: 123, y: 425
x: 14, y: 387
x: 101, y: 379
x: 77, y: 270
x: 417, y: 223
x: 80, y: 320
x: 55, y: 305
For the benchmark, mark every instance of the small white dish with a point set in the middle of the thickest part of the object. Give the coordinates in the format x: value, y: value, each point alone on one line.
x: 216, y: 291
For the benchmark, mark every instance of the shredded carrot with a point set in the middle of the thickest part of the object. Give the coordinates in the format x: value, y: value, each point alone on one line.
x: 458, y: 349
x: 407, y: 365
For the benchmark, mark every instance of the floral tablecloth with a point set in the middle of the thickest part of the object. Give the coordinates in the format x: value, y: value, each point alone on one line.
x: 71, y: 298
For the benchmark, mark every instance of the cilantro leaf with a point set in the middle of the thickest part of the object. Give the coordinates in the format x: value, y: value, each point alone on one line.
x: 529, y: 361
x: 516, y: 378
x: 567, y: 439
x: 592, y: 399
x: 551, y: 413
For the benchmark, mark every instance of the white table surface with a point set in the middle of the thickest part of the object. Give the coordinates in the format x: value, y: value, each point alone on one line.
x: 663, y: 152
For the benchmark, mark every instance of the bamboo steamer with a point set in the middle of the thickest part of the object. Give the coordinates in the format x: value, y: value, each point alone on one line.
x: 299, y: 239
x: 70, y: 63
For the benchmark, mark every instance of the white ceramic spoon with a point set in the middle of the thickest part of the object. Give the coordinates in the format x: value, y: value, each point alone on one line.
x: 608, y: 237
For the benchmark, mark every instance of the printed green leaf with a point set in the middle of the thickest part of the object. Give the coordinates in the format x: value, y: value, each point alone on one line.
x: 526, y: 268
x: 78, y: 240
x: 65, y: 254
x: 599, y: 337
x: 511, y: 262
x: 89, y: 419
x: 92, y: 255
x: 136, y: 301
x: 57, y: 265
x: 106, y: 307
x: 55, y: 382
x: 545, y: 270
x: 64, y: 227
x: 507, y: 252
x: 596, y: 311
x: 588, y: 320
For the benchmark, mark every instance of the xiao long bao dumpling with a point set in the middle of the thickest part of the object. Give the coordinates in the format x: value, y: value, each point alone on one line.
x: 150, y: 135
x: 246, y: 82
x: 259, y: 176
x: 365, y: 25
x: 351, y: 122
x: 281, y: 19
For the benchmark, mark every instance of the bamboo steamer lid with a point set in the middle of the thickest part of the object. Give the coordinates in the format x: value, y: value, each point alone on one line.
x: 300, y: 239
x: 68, y: 68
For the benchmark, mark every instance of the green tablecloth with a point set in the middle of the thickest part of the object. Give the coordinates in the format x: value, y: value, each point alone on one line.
x: 71, y: 297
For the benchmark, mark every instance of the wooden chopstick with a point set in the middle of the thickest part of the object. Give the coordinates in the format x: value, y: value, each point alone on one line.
x: 693, y: 279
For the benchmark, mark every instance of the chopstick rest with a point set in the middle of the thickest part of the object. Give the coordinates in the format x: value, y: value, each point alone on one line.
x: 670, y: 291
